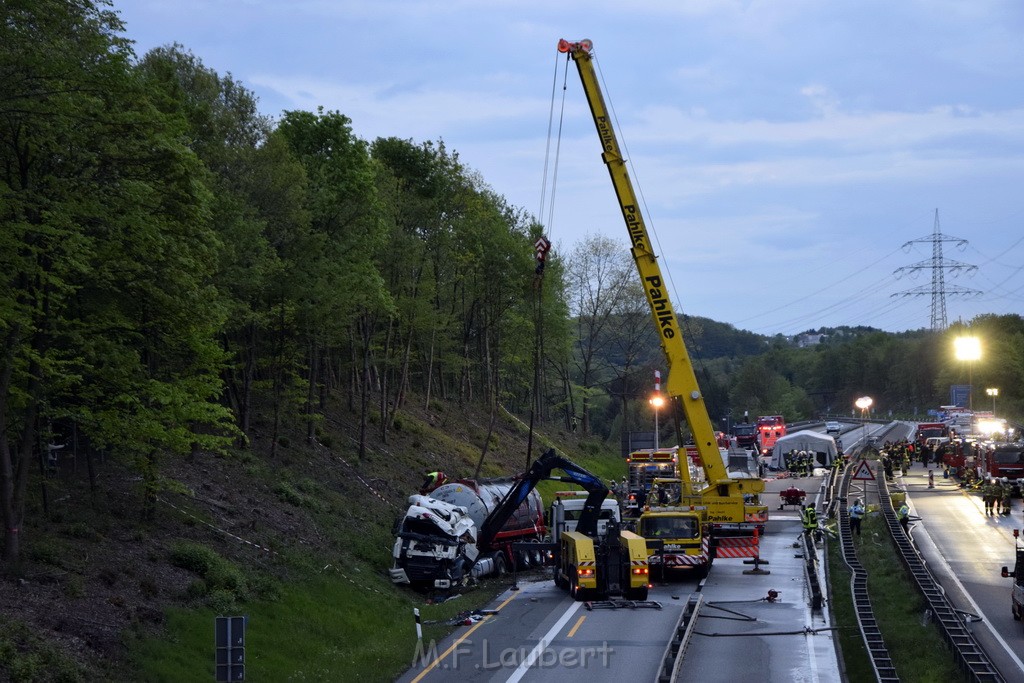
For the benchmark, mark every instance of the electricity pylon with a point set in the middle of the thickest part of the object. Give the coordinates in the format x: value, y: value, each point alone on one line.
x: 938, y: 265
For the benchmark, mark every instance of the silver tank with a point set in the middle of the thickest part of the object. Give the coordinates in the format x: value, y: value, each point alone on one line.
x: 481, y: 496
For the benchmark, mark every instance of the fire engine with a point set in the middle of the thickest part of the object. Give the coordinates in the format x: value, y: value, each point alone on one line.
x: 770, y: 428
x: 931, y: 430
x: 1004, y: 460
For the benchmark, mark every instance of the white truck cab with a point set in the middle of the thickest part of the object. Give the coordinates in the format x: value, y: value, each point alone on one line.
x: 571, y: 504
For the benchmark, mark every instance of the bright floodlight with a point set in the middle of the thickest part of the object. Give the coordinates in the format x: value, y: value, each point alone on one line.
x: 864, y: 402
x: 990, y: 427
x: 657, y: 400
x: 967, y: 348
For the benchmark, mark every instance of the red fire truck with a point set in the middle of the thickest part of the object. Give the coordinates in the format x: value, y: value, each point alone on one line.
x: 770, y: 428
x: 931, y: 430
x: 1005, y: 460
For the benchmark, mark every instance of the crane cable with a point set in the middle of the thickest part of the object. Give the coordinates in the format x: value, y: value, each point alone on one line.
x: 538, y: 299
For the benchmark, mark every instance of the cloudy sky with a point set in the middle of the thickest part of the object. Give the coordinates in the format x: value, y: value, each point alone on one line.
x: 786, y: 150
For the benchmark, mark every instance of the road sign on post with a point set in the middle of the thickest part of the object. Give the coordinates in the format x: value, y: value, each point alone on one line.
x: 229, y: 642
x: 863, y: 472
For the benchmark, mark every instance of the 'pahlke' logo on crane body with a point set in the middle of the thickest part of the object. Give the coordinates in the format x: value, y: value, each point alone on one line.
x: 661, y: 307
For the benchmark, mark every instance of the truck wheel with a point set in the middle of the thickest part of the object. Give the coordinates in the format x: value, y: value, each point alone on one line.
x: 636, y: 593
x: 1016, y: 613
x: 559, y: 581
x: 500, y: 565
x: 578, y: 594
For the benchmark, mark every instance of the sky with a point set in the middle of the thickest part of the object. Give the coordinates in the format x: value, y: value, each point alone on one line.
x: 794, y: 157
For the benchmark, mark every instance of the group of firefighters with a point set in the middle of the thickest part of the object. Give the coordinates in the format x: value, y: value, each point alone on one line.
x: 997, y: 494
x: 802, y: 463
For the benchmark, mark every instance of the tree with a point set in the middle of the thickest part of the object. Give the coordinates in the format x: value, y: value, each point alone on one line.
x: 107, y: 315
x: 598, y: 271
x: 339, y: 287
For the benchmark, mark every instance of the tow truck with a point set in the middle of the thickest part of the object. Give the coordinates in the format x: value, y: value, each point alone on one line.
x: 726, y: 504
x: 1017, y: 593
x: 587, y: 564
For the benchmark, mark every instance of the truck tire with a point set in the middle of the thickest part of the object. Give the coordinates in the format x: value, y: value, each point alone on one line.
x: 1016, y: 613
x: 559, y: 581
x: 636, y: 593
x: 500, y: 564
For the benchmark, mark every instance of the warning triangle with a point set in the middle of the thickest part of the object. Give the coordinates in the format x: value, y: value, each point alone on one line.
x: 863, y: 472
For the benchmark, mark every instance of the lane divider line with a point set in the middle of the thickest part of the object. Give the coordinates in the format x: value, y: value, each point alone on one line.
x: 542, y: 645
x: 572, y: 631
x: 458, y: 641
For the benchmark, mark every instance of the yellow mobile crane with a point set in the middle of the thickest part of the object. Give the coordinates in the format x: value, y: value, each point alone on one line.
x: 729, y: 506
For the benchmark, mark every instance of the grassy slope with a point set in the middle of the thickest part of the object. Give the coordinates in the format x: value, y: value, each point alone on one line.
x: 320, y: 604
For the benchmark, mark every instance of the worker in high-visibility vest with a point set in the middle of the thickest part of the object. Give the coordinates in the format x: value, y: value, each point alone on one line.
x: 432, y: 481
x: 904, y: 516
x: 809, y: 517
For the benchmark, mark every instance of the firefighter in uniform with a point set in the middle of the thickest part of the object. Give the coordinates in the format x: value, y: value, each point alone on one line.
x: 998, y: 491
x: 987, y: 493
x: 432, y: 481
x: 1007, y: 493
x: 809, y: 517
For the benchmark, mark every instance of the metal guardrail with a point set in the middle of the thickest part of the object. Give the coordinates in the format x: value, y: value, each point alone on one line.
x: 970, y: 657
x: 871, y: 634
x: 672, y: 659
x: 972, y: 660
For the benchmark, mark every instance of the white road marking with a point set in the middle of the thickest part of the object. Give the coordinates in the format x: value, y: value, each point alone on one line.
x: 543, y: 644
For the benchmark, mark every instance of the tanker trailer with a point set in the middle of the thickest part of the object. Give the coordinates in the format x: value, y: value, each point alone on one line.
x: 436, y: 538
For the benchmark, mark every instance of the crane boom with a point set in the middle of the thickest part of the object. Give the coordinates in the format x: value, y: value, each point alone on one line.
x: 681, y: 387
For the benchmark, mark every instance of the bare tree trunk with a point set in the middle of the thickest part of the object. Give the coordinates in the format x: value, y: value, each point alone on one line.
x: 14, y: 461
x: 365, y: 389
x: 248, y: 376
x: 314, y: 371
x: 487, y: 441
x: 430, y: 370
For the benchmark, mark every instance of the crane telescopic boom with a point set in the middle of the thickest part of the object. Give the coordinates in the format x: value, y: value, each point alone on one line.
x: 681, y: 386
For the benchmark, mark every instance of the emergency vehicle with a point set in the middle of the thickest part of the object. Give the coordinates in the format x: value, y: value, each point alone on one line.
x: 770, y: 428
x: 1017, y: 592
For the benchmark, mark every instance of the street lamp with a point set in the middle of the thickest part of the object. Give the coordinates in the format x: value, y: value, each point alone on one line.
x: 656, y: 401
x: 968, y: 349
x: 993, y: 392
x: 864, y: 402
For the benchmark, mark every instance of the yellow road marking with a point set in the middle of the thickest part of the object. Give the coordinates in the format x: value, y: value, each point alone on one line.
x: 572, y: 631
x: 454, y: 645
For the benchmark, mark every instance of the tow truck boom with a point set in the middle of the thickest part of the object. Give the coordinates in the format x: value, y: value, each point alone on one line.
x: 538, y: 472
x: 588, y: 565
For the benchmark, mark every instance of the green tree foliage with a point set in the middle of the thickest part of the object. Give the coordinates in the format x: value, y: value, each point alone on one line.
x: 108, y: 314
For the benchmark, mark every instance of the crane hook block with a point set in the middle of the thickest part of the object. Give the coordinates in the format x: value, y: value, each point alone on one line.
x: 566, y: 46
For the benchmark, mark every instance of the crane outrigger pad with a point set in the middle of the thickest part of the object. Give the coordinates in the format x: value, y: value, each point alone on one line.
x: 621, y: 603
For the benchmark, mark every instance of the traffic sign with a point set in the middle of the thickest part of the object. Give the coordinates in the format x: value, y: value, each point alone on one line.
x: 863, y: 472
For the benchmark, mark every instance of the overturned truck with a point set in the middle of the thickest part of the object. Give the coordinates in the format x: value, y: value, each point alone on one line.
x: 436, y: 539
